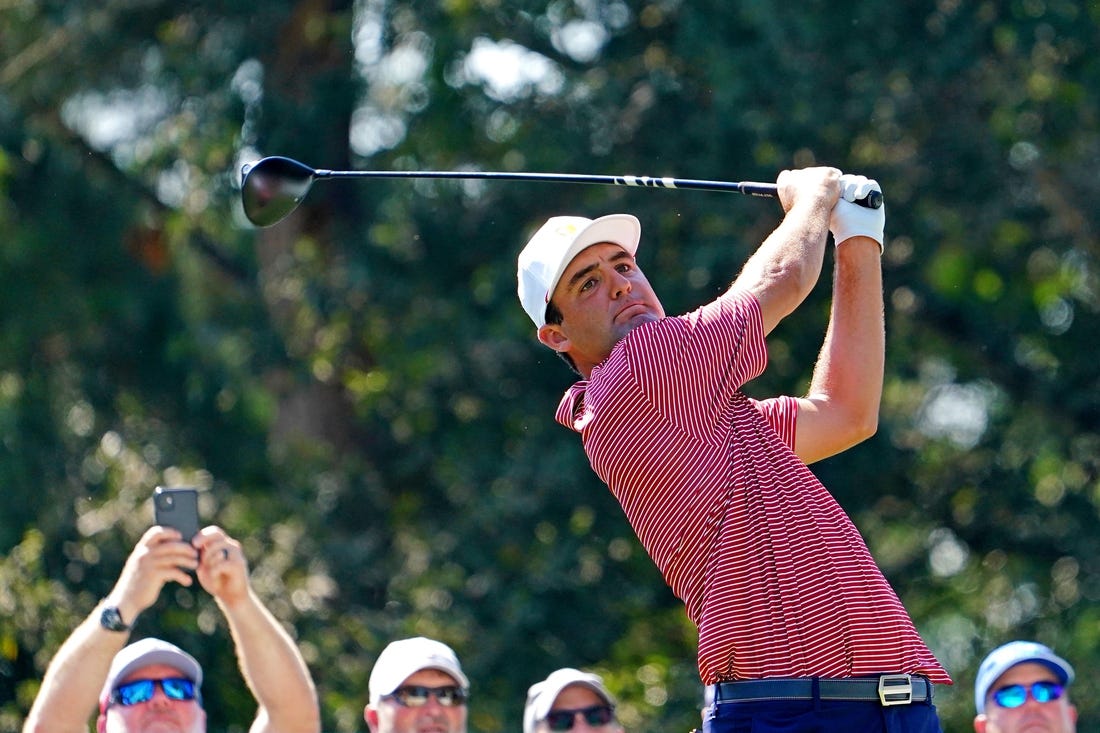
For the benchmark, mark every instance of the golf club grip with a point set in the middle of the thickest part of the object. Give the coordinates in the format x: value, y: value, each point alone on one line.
x: 872, y: 200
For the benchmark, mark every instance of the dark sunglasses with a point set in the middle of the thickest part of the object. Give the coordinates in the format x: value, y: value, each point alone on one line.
x: 137, y: 691
x: 414, y: 696
x: 560, y: 720
x: 1013, y: 696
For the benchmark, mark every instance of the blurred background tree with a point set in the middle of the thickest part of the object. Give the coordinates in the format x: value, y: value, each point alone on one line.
x: 364, y: 402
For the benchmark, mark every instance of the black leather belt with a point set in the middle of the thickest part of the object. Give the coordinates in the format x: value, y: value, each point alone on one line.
x: 889, y: 689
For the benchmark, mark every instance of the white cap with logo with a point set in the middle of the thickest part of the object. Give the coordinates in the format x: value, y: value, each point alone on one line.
x: 405, y: 657
x: 146, y: 653
x: 541, y: 695
x: 556, y: 243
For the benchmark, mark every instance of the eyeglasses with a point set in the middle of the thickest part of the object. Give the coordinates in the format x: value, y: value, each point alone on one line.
x: 137, y: 691
x: 562, y: 720
x: 1013, y: 696
x: 414, y: 696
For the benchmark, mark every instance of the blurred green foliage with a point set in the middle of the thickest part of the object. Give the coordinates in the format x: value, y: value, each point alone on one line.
x: 363, y: 400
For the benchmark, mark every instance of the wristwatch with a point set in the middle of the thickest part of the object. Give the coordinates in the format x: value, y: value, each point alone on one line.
x: 111, y: 619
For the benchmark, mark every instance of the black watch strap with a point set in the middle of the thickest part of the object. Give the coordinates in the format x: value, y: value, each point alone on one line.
x: 111, y: 619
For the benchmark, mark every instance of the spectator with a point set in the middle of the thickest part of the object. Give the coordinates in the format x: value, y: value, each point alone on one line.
x: 417, y: 685
x: 154, y: 685
x: 1023, y: 686
x: 570, y: 700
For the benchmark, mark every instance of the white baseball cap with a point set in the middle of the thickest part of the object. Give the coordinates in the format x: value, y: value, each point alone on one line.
x: 146, y: 653
x: 405, y: 657
x: 556, y: 243
x: 1004, y: 657
x: 541, y: 695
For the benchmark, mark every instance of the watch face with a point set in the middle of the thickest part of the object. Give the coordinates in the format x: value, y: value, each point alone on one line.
x: 111, y: 620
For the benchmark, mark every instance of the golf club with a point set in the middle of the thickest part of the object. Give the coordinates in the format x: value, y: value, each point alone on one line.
x: 274, y: 186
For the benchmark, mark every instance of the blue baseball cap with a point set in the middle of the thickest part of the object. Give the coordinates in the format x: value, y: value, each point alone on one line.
x: 1004, y: 657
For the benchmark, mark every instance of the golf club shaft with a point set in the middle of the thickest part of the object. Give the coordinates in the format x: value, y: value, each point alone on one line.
x: 747, y: 187
x: 273, y: 187
x: 751, y: 188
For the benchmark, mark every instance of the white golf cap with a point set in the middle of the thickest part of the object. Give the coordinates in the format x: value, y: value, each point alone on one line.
x: 1004, y: 657
x: 146, y: 653
x: 556, y: 243
x: 541, y: 695
x: 403, y: 658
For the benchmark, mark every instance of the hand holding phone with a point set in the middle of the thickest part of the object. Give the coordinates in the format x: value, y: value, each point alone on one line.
x: 177, y: 507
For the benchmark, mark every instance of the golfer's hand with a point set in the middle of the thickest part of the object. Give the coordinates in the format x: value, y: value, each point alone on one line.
x: 849, y: 220
x: 812, y: 187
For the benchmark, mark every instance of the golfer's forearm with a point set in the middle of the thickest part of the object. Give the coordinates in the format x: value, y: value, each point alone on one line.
x: 783, y: 271
x: 851, y: 364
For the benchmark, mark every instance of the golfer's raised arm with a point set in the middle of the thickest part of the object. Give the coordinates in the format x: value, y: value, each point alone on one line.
x: 842, y: 406
x: 785, y: 268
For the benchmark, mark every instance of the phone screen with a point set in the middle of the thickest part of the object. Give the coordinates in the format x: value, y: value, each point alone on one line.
x: 177, y: 507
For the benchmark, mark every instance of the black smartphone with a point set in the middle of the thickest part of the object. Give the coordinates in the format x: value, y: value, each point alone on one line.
x: 178, y: 507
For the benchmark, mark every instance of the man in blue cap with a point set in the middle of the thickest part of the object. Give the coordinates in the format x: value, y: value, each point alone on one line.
x: 1024, y: 686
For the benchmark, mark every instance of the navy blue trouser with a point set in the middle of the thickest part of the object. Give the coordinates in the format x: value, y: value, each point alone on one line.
x: 820, y: 716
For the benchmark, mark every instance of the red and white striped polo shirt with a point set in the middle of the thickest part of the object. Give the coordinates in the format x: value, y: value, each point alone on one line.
x: 770, y: 568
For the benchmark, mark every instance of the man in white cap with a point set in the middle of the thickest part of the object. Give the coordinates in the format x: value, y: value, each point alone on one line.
x: 772, y: 571
x: 417, y: 685
x: 570, y: 699
x: 1024, y: 686
x: 153, y: 686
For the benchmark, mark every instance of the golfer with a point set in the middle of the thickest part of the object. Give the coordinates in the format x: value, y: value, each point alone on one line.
x: 798, y: 628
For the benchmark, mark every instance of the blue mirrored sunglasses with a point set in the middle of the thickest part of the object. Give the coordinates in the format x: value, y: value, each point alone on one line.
x: 137, y: 691
x: 562, y: 720
x: 414, y: 696
x: 1013, y: 696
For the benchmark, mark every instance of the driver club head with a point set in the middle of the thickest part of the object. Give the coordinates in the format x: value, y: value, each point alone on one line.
x: 273, y: 187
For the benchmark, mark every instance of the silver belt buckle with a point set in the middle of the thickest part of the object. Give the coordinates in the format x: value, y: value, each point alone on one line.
x: 895, y: 689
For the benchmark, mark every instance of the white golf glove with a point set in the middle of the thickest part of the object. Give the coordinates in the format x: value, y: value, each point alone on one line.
x: 849, y: 220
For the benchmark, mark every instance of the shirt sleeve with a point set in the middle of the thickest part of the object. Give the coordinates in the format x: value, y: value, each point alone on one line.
x: 782, y: 414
